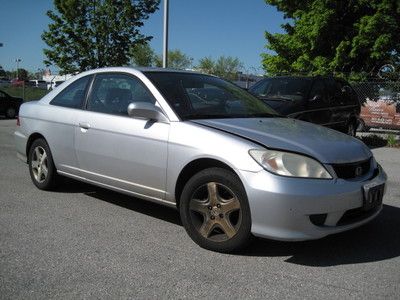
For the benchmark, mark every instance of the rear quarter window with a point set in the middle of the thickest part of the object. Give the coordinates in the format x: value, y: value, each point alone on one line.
x: 73, y: 95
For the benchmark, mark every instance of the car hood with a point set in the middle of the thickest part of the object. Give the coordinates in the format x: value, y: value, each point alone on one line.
x: 326, y: 145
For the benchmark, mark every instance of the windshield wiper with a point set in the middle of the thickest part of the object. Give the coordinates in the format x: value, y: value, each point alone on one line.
x: 276, y: 98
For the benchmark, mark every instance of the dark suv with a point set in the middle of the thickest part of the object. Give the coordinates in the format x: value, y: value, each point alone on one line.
x: 9, y: 106
x: 325, y: 101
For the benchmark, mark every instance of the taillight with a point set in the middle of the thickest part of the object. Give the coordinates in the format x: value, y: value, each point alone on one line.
x: 18, y: 123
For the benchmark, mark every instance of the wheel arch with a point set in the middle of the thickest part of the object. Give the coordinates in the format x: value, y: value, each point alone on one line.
x: 193, y: 168
x: 33, y: 137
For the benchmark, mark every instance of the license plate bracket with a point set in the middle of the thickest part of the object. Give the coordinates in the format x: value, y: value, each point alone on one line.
x: 373, y: 195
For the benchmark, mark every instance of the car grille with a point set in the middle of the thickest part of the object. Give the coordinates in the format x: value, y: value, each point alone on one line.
x: 352, y: 170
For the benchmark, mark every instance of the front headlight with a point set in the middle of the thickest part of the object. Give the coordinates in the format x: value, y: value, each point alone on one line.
x: 289, y: 164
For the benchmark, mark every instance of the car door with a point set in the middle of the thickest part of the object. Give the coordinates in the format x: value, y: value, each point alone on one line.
x: 338, y: 104
x: 58, y: 123
x: 117, y: 150
x: 317, y: 110
x: 351, y: 104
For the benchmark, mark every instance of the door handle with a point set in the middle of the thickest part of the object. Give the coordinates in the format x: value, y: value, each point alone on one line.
x: 84, y: 125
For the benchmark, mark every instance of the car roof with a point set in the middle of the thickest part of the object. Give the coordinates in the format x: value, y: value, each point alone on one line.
x: 163, y: 70
x: 5, y: 93
x: 138, y: 69
x: 304, y: 77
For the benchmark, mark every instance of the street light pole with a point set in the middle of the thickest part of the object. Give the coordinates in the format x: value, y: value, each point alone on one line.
x: 165, y: 35
x: 18, y: 60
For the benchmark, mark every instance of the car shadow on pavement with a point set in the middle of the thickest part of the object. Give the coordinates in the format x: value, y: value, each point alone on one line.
x: 148, y: 208
x: 375, y: 241
x: 71, y: 186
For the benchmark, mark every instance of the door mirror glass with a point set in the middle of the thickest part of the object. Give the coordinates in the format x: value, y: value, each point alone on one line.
x: 316, y: 98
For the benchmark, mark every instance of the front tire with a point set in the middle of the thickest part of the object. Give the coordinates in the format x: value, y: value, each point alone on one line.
x: 41, y: 165
x: 215, y: 212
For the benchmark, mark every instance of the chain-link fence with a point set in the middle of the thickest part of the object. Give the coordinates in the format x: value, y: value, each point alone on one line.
x: 26, y: 90
x: 380, y: 104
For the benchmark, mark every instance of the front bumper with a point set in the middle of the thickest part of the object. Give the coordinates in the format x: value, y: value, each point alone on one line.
x: 281, y: 206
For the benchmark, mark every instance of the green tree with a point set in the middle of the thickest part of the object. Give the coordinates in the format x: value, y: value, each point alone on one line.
x: 225, y: 66
x: 2, y: 72
x: 86, y: 34
x: 354, y: 36
x: 10, y: 74
x: 207, y: 65
x: 176, y: 60
x: 142, y: 55
x: 23, y: 74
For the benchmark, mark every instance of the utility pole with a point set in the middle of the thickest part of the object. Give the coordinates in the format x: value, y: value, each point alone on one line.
x: 18, y: 60
x: 165, y: 35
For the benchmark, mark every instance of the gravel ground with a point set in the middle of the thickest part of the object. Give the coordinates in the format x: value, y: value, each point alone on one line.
x: 86, y: 242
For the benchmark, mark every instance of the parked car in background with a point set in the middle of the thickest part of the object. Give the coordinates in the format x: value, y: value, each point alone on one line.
x: 382, y: 113
x: 9, y: 106
x: 41, y: 84
x: 55, y: 84
x: 4, y: 81
x: 17, y: 82
x: 325, y: 101
x: 229, y: 163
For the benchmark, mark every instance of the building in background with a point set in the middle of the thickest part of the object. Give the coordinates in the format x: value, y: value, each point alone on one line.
x: 54, y: 80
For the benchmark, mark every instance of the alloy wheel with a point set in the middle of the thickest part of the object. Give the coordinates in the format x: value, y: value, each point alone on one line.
x: 215, y: 212
x: 39, y: 164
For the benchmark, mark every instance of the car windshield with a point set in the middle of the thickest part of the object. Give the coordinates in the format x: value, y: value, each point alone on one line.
x: 197, y: 96
x: 282, y: 88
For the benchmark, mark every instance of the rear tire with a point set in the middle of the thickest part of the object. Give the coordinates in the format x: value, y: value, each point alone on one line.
x: 215, y: 212
x: 41, y: 165
x: 11, y: 113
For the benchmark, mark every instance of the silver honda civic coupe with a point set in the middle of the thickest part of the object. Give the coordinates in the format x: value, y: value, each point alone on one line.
x: 231, y: 165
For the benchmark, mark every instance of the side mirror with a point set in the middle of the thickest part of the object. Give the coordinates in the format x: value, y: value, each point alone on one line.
x: 145, y: 110
x: 316, y: 98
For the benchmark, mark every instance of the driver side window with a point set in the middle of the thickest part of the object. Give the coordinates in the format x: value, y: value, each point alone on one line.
x: 112, y: 93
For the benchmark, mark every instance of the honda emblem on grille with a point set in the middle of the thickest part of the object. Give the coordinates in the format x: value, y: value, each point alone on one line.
x: 358, y: 171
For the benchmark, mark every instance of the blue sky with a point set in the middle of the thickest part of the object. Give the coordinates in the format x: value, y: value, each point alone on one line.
x: 199, y: 28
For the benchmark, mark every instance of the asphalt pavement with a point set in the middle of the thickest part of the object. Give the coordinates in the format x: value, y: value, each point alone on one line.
x: 86, y: 242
